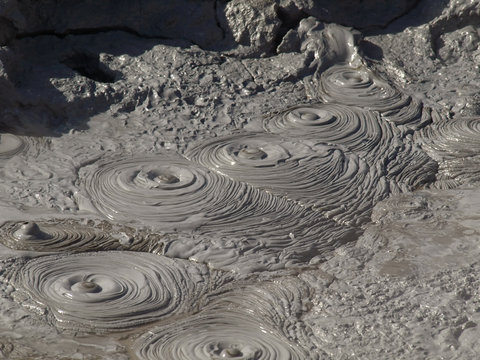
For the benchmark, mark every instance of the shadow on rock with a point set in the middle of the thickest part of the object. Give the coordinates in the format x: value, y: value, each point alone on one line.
x: 50, y: 85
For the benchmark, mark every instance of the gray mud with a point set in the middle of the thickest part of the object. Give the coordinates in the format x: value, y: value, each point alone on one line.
x: 239, y: 180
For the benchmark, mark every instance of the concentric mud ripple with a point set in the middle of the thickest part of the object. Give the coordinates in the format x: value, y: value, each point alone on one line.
x: 249, y: 324
x: 249, y: 229
x: 164, y: 190
x: 455, y: 144
x: 10, y: 145
x: 361, y: 87
x: 339, y: 184
x: 363, y: 132
x: 112, y: 290
x: 75, y: 236
x: 453, y: 138
x: 225, y: 335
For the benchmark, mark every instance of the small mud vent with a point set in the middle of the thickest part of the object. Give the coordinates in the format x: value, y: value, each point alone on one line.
x: 89, y: 65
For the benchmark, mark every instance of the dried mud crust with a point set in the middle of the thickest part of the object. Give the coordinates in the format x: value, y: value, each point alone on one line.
x: 409, y: 286
x: 376, y: 316
x: 434, y: 53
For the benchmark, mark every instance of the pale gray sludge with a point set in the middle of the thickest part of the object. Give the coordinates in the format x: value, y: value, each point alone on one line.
x: 411, y: 169
x: 361, y: 131
x: 338, y: 184
x: 252, y: 322
x: 107, y: 291
x: 373, y: 138
x: 135, y: 187
x: 237, y: 223
x: 31, y: 174
x: 221, y: 334
x: 360, y: 87
x: 72, y: 235
x: 423, y: 281
x: 10, y: 145
x: 454, y: 144
x: 239, y: 180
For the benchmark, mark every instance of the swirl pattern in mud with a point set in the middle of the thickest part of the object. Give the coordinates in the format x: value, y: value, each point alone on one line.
x: 221, y: 336
x: 244, y: 225
x: 411, y: 169
x: 163, y: 190
x: 249, y: 324
x: 452, y: 139
x: 10, y: 145
x: 361, y: 87
x: 105, y: 291
x: 339, y: 184
x: 455, y: 145
x: 75, y: 236
x: 266, y: 233
x: 363, y: 132
x: 271, y: 235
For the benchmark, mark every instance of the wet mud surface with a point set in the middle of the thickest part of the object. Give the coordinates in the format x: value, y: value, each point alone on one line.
x: 274, y: 180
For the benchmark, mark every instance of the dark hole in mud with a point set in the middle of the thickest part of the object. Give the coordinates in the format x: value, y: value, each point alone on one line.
x: 89, y: 65
x: 371, y: 50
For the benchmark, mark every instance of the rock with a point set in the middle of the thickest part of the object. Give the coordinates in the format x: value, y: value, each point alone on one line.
x: 290, y: 42
x: 358, y: 14
x: 252, y: 24
x: 188, y: 19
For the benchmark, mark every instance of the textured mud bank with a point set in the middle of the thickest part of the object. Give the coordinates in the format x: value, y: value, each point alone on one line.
x: 239, y: 180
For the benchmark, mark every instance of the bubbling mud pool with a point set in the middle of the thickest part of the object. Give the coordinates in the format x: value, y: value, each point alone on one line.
x: 174, y: 194
x: 225, y: 206
x: 250, y: 323
x: 360, y: 87
x: 336, y: 183
x: 101, y: 291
